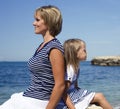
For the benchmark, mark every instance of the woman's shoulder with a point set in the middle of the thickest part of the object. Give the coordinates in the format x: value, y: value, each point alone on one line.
x: 55, y: 43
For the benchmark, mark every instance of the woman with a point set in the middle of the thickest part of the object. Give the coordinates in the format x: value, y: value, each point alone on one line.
x: 46, y: 65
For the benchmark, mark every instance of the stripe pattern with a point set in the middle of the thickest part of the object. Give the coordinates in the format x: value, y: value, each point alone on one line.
x: 42, y: 81
x: 77, y: 95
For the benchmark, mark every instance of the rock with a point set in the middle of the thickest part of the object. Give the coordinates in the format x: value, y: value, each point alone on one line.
x: 106, y: 61
x: 94, y: 107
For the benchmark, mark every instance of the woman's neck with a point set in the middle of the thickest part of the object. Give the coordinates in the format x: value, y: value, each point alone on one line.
x: 47, y: 37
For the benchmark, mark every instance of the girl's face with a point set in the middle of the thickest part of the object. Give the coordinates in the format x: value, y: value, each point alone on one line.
x: 39, y: 24
x: 82, y: 55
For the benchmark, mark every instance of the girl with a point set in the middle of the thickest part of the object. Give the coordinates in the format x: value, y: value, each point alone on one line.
x: 75, y: 51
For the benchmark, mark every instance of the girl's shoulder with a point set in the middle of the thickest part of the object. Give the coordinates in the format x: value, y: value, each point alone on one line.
x: 70, y: 74
x: 70, y: 70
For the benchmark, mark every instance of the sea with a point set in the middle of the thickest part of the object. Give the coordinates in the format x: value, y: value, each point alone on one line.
x: 15, y: 77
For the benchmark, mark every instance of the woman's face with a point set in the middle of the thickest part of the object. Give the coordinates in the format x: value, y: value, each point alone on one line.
x: 82, y: 55
x: 39, y: 24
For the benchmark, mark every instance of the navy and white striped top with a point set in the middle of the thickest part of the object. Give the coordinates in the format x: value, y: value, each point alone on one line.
x: 42, y: 81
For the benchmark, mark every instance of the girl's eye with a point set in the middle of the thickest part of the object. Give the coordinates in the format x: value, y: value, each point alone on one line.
x: 84, y: 50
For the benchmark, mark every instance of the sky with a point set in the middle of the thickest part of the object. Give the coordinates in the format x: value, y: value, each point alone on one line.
x: 97, y: 22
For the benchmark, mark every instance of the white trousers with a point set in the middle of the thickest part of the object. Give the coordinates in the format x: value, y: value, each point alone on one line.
x: 18, y: 101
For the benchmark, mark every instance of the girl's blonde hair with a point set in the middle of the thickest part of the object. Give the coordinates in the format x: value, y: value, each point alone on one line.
x: 52, y: 18
x: 71, y: 48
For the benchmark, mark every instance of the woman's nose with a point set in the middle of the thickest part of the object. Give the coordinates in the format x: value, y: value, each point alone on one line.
x: 34, y: 23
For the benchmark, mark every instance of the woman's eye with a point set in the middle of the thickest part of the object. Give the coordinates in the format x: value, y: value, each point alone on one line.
x: 37, y: 19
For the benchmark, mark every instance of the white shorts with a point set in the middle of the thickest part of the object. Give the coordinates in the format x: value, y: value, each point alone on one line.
x: 18, y: 101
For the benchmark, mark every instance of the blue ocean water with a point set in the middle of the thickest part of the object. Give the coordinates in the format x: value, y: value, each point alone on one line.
x: 14, y: 77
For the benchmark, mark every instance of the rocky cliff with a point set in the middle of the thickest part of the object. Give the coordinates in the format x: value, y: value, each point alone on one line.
x: 106, y: 61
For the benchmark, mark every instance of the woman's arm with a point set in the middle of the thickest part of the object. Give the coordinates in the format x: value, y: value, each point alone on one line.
x: 66, y: 97
x: 58, y: 67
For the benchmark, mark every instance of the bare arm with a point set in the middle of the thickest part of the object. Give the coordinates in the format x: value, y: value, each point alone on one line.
x: 57, y: 62
x: 66, y: 97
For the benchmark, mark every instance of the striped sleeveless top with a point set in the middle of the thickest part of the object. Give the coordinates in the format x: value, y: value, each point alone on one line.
x: 42, y: 81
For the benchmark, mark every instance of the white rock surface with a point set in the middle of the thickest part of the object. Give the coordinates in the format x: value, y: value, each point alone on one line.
x: 94, y: 107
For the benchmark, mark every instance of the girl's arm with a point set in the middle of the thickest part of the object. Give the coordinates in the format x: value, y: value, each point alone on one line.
x: 57, y: 63
x: 66, y: 97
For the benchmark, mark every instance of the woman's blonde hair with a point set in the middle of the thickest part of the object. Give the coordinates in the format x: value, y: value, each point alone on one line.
x: 52, y: 18
x: 71, y: 48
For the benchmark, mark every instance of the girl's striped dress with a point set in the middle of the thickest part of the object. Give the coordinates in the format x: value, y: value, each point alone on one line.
x: 81, y: 98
